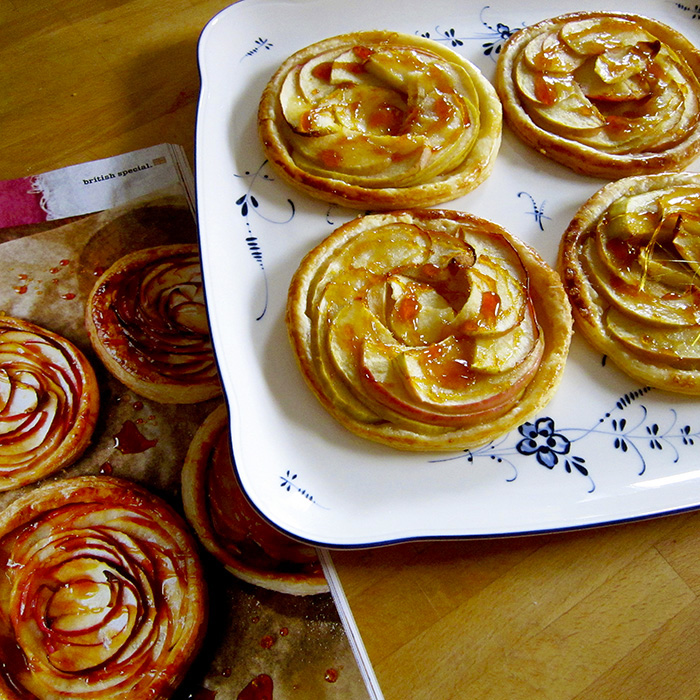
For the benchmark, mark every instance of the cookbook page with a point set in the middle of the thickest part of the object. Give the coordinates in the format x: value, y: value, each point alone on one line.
x: 59, y: 233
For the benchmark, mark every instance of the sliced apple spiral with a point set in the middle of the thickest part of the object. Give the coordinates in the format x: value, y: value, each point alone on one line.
x: 102, y: 595
x: 147, y: 321
x: 380, y: 119
x: 230, y: 528
x: 49, y: 402
x: 428, y: 329
x: 630, y: 261
x: 606, y: 94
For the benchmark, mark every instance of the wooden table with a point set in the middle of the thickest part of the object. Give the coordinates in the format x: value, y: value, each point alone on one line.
x: 604, y: 613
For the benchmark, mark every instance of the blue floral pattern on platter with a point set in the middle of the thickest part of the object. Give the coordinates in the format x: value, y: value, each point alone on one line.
x: 493, y: 38
x: 693, y: 10
x: 537, y: 209
x: 249, y: 204
x: 260, y: 43
x: 551, y: 446
x: 289, y: 483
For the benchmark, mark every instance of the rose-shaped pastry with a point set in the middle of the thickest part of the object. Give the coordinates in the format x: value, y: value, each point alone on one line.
x: 630, y: 261
x: 147, y: 321
x: 49, y: 402
x: 428, y: 329
x: 380, y: 120
x: 229, y: 527
x: 101, y: 596
x: 608, y: 95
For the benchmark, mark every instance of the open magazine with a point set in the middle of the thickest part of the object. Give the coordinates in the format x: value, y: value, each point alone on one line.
x: 59, y: 232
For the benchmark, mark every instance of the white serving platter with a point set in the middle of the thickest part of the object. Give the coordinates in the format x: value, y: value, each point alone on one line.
x: 607, y: 450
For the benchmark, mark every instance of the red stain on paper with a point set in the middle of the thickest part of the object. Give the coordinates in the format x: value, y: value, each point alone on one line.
x: 203, y: 694
x: 267, y: 642
x: 129, y: 440
x: 260, y: 688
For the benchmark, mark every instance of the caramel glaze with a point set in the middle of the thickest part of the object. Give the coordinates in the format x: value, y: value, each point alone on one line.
x: 148, y: 336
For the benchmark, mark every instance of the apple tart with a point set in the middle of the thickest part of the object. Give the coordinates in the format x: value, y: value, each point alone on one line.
x: 49, y: 402
x: 147, y: 321
x: 608, y: 95
x: 380, y: 120
x: 230, y: 528
x: 630, y: 260
x: 102, y: 595
x: 428, y: 329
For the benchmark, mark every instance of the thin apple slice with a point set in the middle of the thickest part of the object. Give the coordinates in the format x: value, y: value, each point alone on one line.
x: 637, y: 236
x: 313, y: 77
x: 595, y: 36
x: 417, y: 314
x: 388, y: 247
x: 543, y: 88
x: 440, y: 377
x: 382, y: 385
x: 21, y: 404
x: 560, y: 107
x: 660, y: 119
x: 636, y: 216
x: 350, y: 67
x: 294, y: 104
x: 365, y: 109
x: 384, y: 249
x: 545, y: 53
x: 631, y: 88
x: 36, y: 431
x: 621, y: 255
x: 687, y: 241
x: 345, y: 284
x: 657, y: 264
x: 348, y: 330
x: 683, y: 199
x: 410, y: 70
x: 679, y: 347
x: 648, y: 300
x: 496, y: 302
x: 372, y: 159
x: 5, y: 389
x: 620, y: 63
x: 383, y: 381
x: 494, y: 355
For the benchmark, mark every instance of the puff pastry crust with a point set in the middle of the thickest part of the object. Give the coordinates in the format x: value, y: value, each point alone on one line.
x: 102, y: 595
x: 49, y: 402
x: 380, y: 120
x: 229, y: 527
x: 146, y: 319
x: 607, y: 94
x: 630, y: 262
x: 428, y: 329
